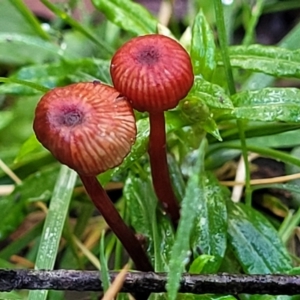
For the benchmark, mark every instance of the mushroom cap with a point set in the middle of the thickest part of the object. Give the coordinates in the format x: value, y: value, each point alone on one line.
x: 87, y: 126
x: 153, y: 71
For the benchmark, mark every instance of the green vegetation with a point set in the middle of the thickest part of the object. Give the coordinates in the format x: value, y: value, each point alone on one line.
x: 244, y: 99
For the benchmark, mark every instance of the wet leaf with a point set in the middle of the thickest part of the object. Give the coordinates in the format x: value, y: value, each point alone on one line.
x: 53, y: 226
x: 212, y: 95
x: 146, y: 220
x: 210, y: 233
x: 128, y: 15
x: 270, y: 60
x: 196, y: 112
x: 203, y: 47
x: 269, y: 104
x: 255, y: 242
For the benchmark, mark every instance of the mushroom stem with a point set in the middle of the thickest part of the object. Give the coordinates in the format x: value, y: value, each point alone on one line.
x: 116, y: 223
x: 159, y: 166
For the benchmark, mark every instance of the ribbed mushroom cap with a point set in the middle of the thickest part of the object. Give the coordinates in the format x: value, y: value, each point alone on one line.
x: 153, y: 71
x: 86, y: 126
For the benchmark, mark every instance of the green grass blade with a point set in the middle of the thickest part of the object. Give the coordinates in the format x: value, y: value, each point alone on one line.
x: 25, y: 83
x: 275, y: 154
x: 54, y: 224
x: 103, y: 262
x: 30, y: 17
x: 76, y: 25
x: 181, y: 248
x: 255, y: 14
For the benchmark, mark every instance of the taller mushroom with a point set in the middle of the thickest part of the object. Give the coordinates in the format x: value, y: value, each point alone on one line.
x: 154, y: 72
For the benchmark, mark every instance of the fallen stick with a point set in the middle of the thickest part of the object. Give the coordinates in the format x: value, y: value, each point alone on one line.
x: 150, y: 282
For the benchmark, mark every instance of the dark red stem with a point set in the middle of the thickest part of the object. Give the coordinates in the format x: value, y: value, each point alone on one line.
x: 159, y: 166
x: 116, y: 223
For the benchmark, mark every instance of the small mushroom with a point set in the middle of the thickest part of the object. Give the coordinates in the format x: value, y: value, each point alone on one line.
x: 154, y: 72
x: 89, y: 127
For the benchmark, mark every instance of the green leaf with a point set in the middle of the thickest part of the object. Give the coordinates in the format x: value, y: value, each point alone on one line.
x: 11, y: 19
x: 61, y: 13
x: 203, y: 47
x: 258, y: 80
x: 144, y: 218
x: 267, y: 297
x: 30, y: 18
x: 212, y: 95
x: 58, y: 74
x: 282, y: 140
x: 292, y: 169
x: 33, y: 87
x: 205, y: 297
x: 198, y: 264
x: 294, y: 271
x: 196, y: 112
x: 54, y: 223
x: 269, y: 104
x: 181, y: 248
x: 11, y: 296
x: 30, y: 150
x: 104, y: 275
x: 13, y: 207
x: 270, y: 60
x: 19, y: 48
x: 255, y: 242
x: 5, y: 118
x: 176, y: 177
x: 210, y: 233
x: 128, y: 15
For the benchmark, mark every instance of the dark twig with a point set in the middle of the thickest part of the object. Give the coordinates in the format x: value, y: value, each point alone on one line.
x: 150, y: 282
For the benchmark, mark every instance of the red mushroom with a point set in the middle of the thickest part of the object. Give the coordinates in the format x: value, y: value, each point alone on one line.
x: 154, y: 72
x: 91, y: 128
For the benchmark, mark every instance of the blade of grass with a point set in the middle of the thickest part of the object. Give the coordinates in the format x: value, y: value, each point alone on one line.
x: 53, y: 226
x: 278, y: 155
x: 30, y: 17
x: 76, y: 25
x: 103, y: 262
x: 118, y: 246
x: 32, y: 85
x: 220, y: 23
x: 181, y: 248
x: 250, y: 30
x: 288, y: 226
x: 281, y: 6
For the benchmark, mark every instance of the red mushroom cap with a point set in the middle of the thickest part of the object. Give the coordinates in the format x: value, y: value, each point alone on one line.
x: 153, y: 71
x: 86, y: 126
